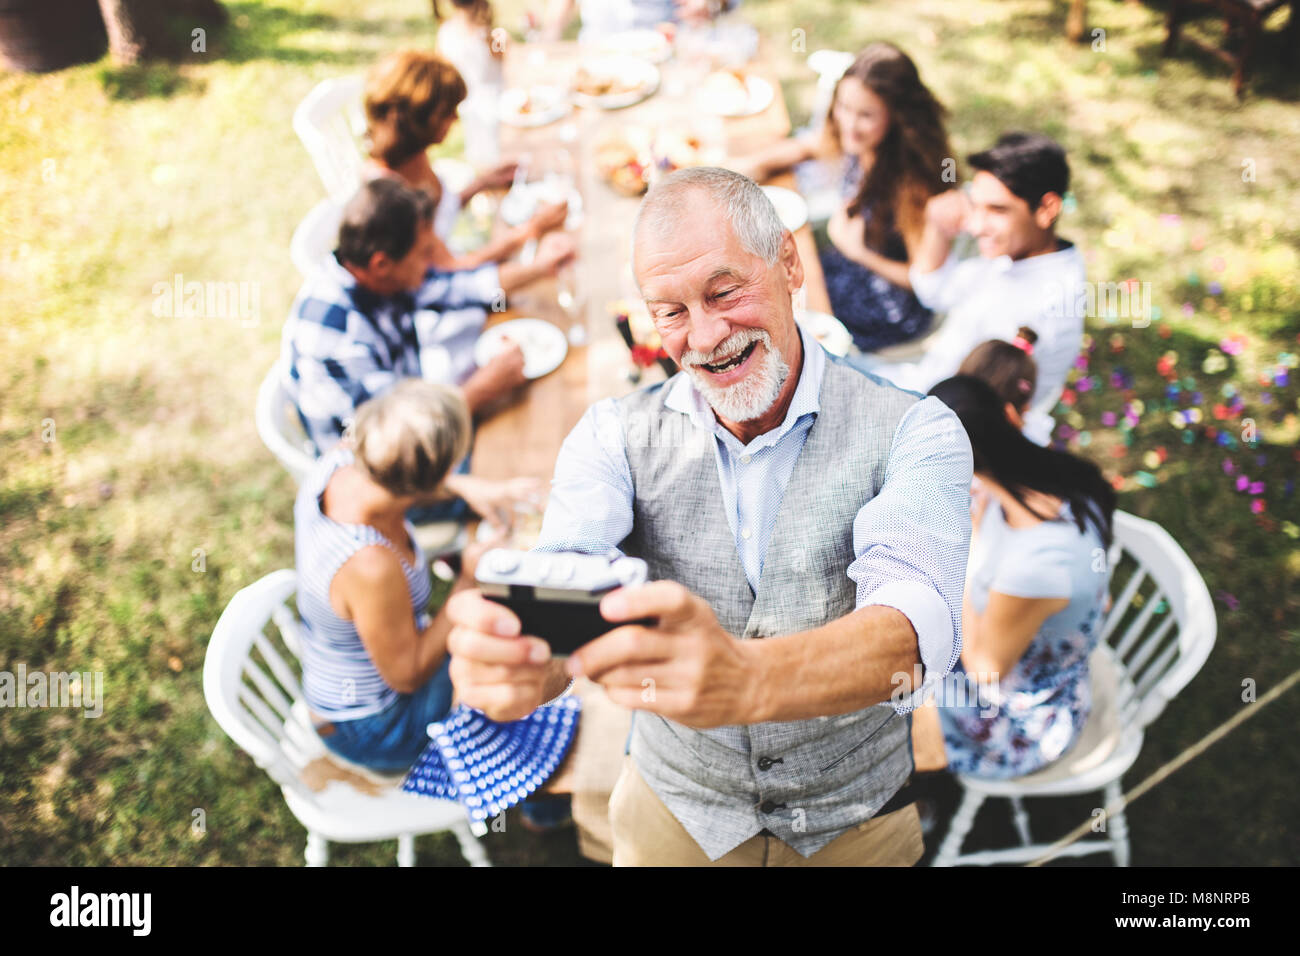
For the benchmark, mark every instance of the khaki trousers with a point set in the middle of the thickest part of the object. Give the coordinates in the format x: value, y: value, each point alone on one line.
x: 647, y: 834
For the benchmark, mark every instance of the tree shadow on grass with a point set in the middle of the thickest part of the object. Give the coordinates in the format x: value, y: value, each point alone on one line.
x: 147, y: 80
x: 258, y: 31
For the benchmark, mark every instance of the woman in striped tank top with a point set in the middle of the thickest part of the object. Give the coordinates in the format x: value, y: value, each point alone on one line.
x: 374, y: 662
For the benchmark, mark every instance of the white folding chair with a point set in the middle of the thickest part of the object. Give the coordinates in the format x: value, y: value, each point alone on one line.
x: 253, y: 692
x: 316, y: 236
x: 331, y: 123
x: 279, y: 428
x: 1134, y: 673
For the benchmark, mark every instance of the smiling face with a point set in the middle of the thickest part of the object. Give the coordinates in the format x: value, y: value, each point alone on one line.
x: 723, y: 313
x: 860, y: 116
x: 1003, y: 223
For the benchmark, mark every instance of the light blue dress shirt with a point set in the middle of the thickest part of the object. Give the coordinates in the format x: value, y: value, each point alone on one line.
x: 910, y: 541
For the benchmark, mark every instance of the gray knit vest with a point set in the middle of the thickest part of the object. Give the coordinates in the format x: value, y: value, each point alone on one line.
x: 806, y: 781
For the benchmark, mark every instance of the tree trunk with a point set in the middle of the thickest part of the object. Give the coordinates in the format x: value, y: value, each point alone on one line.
x: 138, y: 29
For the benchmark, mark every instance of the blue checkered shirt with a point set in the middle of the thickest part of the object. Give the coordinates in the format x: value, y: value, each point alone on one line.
x: 344, y: 344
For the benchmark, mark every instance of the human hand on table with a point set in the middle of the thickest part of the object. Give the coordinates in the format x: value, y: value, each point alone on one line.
x: 497, y: 501
x: 556, y: 250
x: 549, y: 216
x: 686, y: 667
x: 496, y: 178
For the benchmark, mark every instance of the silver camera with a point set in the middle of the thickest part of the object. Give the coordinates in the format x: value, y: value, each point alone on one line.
x: 557, y: 595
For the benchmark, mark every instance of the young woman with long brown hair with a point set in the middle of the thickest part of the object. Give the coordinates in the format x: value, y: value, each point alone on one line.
x: 885, y: 131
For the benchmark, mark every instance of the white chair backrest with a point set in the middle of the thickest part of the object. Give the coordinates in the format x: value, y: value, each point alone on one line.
x: 249, y: 683
x: 279, y: 428
x: 330, y: 121
x: 316, y: 236
x: 1164, y: 636
x: 829, y: 65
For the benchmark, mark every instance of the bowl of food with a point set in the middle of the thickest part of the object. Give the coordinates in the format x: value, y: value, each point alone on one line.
x: 624, y: 159
x: 735, y: 93
x: 612, y: 83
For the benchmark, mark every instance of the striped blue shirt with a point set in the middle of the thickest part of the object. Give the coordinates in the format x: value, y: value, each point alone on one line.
x: 910, y: 541
x: 339, y: 680
x: 344, y: 344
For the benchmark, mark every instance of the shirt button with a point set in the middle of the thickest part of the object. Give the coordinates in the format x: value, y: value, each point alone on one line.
x: 745, y: 533
x: 765, y: 763
x: 769, y: 807
x: 745, y: 459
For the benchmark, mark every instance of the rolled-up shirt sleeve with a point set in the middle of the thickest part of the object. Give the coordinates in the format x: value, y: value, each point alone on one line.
x: 911, y: 540
x: 590, y: 506
x: 461, y: 289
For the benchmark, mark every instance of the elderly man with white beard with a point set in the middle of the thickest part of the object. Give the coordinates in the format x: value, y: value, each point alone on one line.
x: 806, y: 527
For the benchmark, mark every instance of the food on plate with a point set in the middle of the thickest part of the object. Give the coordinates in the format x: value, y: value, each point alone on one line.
x: 674, y: 150
x: 623, y: 159
x: 727, y: 91
x: 594, y: 81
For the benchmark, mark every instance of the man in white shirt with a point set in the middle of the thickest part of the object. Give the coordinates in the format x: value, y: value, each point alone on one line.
x: 1024, y: 275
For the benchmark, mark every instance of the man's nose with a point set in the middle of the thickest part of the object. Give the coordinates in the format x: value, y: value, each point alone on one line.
x: 708, y: 331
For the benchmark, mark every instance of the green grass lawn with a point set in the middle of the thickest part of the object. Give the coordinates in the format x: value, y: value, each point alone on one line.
x: 124, y: 535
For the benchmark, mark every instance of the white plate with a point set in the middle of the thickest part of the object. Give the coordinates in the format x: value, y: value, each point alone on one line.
x: 550, y: 103
x: 827, y: 330
x: 760, y: 98
x: 629, y: 70
x: 647, y: 44
x: 789, y: 206
x: 543, y: 344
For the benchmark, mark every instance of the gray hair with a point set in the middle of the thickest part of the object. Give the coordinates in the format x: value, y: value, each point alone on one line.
x: 750, y: 213
x: 409, y: 437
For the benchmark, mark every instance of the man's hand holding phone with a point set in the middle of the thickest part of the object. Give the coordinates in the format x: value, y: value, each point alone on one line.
x: 494, y: 668
x: 684, y: 665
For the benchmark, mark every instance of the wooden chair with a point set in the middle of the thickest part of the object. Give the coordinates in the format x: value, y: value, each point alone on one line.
x: 1133, y: 676
x: 1243, y: 19
x: 253, y: 692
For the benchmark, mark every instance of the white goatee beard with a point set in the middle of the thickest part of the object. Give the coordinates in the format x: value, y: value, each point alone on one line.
x: 753, y: 395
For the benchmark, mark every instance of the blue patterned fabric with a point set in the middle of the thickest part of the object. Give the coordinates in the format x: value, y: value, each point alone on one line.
x: 877, y: 312
x: 1042, y: 705
x: 344, y: 344
x: 488, y: 767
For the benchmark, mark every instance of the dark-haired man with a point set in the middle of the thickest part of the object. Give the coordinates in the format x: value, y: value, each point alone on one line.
x: 351, y: 333
x: 1025, y: 273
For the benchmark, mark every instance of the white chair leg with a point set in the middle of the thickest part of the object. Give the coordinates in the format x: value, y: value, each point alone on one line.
x: 1116, y: 825
x: 406, y: 849
x: 470, y: 848
x: 962, y: 821
x: 318, y: 850
x: 1021, y: 819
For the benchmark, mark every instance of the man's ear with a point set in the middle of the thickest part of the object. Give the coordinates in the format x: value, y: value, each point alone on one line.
x: 1049, y: 207
x: 791, y: 262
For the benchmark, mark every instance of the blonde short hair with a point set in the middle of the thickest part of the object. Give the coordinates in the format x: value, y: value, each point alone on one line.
x: 411, y: 436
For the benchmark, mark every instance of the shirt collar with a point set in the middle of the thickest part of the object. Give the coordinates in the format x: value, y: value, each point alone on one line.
x: 1048, y: 260
x: 685, y: 398
x: 363, y: 299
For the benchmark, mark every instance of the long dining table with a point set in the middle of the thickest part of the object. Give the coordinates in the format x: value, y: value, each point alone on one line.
x: 524, y: 438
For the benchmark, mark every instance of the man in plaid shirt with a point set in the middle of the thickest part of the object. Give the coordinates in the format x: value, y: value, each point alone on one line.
x: 352, y: 331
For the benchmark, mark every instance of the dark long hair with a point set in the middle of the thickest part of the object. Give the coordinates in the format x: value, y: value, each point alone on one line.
x: 1008, y: 367
x: 1017, y: 464
x: 909, y: 163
